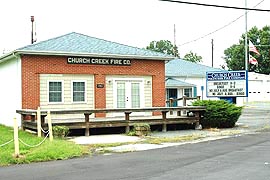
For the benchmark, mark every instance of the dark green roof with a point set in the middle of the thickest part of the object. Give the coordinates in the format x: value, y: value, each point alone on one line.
x: 76, y: 43
x: 180, y: 68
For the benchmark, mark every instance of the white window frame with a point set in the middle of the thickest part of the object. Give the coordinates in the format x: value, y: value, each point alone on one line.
x: 48, y: 92
x: 85, y: 91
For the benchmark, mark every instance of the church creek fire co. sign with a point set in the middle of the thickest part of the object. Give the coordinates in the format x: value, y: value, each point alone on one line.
x: 226, y: 84
x: 98, y: 61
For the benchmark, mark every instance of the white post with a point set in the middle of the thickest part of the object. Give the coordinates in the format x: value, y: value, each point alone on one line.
x: 50, y: 125
x: 16, y: 139
x: 38, y: 122
x: 246, y: 39
x: 246, y: 45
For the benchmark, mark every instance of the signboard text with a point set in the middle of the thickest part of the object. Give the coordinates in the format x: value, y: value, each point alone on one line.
x: 227, y: 84
x: 98, y: 61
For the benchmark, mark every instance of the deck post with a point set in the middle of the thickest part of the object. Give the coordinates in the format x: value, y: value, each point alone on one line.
x: 38, y: 122
x: 50, y: 126
x: 197, y: 124
x: 22, y: 121
x: 87, y: 130
x: 171, y: 105
x: 127, y: 113
x: 164, y: 125
x: 184, y: 112
x: 42, y: 125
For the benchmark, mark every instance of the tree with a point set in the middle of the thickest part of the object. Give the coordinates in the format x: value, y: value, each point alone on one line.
x: 193, y: 57
x: 163, y: 46
x: 235, y: 55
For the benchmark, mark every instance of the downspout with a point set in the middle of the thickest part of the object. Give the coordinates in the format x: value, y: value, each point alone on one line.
x: 13, y: 54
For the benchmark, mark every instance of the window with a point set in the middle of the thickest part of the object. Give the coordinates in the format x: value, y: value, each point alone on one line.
x: 121, y: 95
x: 188, y: 92
x: 78, y: 91
x: 135, y: 95
x: 55, y: 91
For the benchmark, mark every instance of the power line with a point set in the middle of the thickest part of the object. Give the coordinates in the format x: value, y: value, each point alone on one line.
x: 226, y: 25
x: 218, y: 6
x: 212, y: 31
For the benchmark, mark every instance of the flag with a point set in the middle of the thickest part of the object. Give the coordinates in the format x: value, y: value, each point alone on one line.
x: 252, y: 48
x: 252, y: 60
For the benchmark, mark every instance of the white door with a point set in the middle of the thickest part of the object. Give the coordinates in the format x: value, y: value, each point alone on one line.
x: 128, y: 94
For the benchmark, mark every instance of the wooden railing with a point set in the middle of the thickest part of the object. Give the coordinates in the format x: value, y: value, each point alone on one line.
x: 171, y: 101
x: 127, y: 122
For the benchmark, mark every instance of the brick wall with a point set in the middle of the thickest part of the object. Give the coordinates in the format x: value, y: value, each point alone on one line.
x: 33, y: 65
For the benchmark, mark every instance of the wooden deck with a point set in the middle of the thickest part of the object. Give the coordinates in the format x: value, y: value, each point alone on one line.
x: 176, y: 115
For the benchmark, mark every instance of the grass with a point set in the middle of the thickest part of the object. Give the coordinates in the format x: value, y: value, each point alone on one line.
x: 160, y: 140
x: 58, y: 149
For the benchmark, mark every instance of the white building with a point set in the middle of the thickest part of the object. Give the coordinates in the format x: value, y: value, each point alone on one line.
x: 258, y: 87
x: 187, y: 78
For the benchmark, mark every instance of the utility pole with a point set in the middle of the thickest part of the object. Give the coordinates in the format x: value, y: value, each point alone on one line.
x: 212, y: 43
x: 174, y: 35
x: 32, y: 32
x: 246, y: 40
x: 174, y: 40
x: 246, y: 46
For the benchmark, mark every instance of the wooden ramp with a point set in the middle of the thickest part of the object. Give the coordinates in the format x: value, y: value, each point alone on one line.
x: 176, y: 115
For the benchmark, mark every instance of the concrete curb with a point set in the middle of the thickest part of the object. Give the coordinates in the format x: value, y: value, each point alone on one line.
x: 135, y: 143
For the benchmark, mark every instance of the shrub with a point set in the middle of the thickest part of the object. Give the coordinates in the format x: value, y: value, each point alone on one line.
x: 131, y: 132
x: 142, y: 129
x: 60, y: 131
x: 219, y: 113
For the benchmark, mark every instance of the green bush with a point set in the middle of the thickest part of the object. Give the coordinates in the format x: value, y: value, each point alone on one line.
x: 60, y: 131
x: 219, y: 113
x: 142, y: 129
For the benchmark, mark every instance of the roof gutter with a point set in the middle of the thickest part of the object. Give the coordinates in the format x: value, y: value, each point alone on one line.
x: 184, y: 76
x: 59, y: 53
x: 9, y: 56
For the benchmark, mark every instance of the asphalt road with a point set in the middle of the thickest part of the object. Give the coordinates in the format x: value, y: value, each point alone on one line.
x: 242, y: 157
x: 255, y: 115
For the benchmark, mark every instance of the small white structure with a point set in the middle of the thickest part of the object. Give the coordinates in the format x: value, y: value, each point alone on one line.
x: 186, y: 78
x: 11, y: 89
x: 258, y: 88
x: 189, y: 79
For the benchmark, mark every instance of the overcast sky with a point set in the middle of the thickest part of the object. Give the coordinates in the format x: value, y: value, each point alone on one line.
x: 131, y: 22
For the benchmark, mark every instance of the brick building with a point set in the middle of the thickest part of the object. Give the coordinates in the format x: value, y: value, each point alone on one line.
x: 75, y: 71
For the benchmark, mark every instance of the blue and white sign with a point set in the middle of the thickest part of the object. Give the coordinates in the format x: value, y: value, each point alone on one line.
x: 226, y: 84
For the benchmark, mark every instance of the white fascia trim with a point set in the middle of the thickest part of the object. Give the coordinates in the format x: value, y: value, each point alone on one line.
x: 178, y: 86
x: 184, y: 76
x: 59, y: 53
x: 9, y: 56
